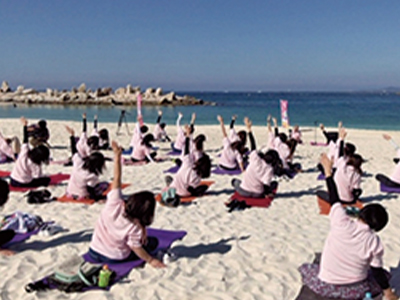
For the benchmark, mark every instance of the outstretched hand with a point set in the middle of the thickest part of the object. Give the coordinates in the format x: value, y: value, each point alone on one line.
x: 193, y: 118
x: 160, y: 112
x: 326, y: 164
x: 70, y: 130
x: 116, y: 148
x: 84, y: 115
x: 248, y: 123
x: 220, y: 119
x: 24, y: 121
x: 386, y: 137
x: 342, y: 133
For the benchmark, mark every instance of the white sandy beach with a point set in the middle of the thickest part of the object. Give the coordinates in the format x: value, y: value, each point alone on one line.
x: 250, y: 254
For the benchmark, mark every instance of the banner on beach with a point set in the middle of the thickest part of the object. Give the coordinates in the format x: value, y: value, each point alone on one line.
x: 139, y: 109
x: 284, y: 113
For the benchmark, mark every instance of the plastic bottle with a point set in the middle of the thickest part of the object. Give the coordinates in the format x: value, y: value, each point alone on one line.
x: 104, y: 277
x: 368, y: 296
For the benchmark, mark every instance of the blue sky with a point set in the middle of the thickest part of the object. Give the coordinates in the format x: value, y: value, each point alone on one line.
x: 202, y: 45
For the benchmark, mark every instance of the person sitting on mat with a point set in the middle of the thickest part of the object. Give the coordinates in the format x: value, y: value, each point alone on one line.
x: 187, y: 181
x: 104, y: 140
x: 5, y: 235
x: 394, y: 180
x: 27, y: 171
x: 86, y: 145
x: 284, y: 147
x: 231, y: 158
x: 138, y: 133
x: 159, y: 132
x: 9, y: 148
x: 84, y: 181
x: 142, y: 152
x: 257, y: 180
x: 241, y: 136
x: 352, y: 257
x: 120, y: 232
x: 348, y: 173
x: 179, y: 143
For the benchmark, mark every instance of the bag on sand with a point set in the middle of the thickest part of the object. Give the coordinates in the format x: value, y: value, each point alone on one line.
x: 40, y: 196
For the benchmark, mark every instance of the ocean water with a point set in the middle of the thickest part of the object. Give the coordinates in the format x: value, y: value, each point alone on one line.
x: 356, y: 110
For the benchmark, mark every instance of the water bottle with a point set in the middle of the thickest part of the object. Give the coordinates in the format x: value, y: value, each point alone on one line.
x: 104, y: 277
x: 368, y: 296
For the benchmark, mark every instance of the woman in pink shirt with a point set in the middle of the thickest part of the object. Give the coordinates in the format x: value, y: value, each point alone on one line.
x: 120, y: 232
x: 159, y: 132
x: 352, y: 258
x: 187, y: 181
x: 179, y: 143
x: 142, y: 152
x: 230, y: 159
x: 257, y: 180
x: 394, y: 179
x: 84, y: 182
x: 27, y: 171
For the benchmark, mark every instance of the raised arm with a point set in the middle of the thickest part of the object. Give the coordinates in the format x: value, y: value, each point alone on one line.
x: 192, y: 120
x: 342, y: 135
x: 276, y: 131
x: 330, y: 183
x: 25, y: 130
x: 95, y: 123
x: 159, y: 117
x: 233, y: 120
x: 178, y: 121
x: 269, y: 123
x: 84, y: 124
x: 186, y: 149
x: 72, y: 139
x: 248, y: 124
x: 221, y: 122
x: 389, y: 138
x: 116, y: 183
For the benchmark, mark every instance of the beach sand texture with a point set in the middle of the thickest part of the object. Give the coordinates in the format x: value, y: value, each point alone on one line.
x: 250, y: 254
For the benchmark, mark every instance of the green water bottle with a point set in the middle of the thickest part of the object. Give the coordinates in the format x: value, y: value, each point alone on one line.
x: 104, y: 277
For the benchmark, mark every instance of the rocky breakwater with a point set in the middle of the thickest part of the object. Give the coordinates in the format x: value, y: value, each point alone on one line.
x: 102, y: 96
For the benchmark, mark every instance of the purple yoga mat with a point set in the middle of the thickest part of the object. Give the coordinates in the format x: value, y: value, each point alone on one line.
x: 176, y: 153
x: 218, y: 170
x: 321, y: 177
x: 20, y: 237
x: 165, y: 239
x: 389, y: 189
x: 172, y: 170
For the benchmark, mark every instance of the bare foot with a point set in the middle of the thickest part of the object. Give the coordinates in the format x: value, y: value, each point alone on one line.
x: 6, y: 252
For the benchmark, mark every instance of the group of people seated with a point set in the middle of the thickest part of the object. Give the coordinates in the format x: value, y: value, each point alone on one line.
x: 352, y: 258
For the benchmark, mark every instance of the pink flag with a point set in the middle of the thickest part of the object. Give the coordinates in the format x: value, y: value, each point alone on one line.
x: 139, y: 109
x: 284, y: 113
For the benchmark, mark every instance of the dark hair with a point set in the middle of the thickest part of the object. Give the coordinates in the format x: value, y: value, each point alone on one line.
x: 42, y: 124
x: 349, y: 149
x: 144, y: 129
x: 242, y: 136
x: 271, y: 157
x: 148, y: 138
x: 39, y: 154
x: 162, y: 125
x: 356, y: 161
x: 140, y: 206
x: 4, y: 191
x: 283, y: 137
x: 94, y: 163
x: 103, y: 134
x: 375, y: 215
x: 203, y: 166
x: 199, y: 141
x: 237, y: 145
x: 93, y: 142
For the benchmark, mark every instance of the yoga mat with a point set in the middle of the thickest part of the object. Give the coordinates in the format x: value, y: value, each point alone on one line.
x: 172, y: 170
x: 188, y: 198
x: 174, y: 153
x: 129, y: 162
x: 318, y: 144
x: 219, y: 171
x: 127, y: 151
x: 165, y: 239
x: 55, y: 179
x: 64, y: 198
x: 388, y: 189
x: 20, y: 237
x: 325, y: 207
x: 253, y: 202
x: 321, y: 176
x: 4, y: 173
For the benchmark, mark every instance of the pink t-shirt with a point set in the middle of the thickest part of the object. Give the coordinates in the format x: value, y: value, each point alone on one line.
x: 140, y: 152
x: 5, y: 149
x: 137, y: 136
x: 333, y: 152
x: 159, y: 133
x: 114, y: 235
x: 258, y: 174
x: 180, y: 139
x: 233, y: 136
x: 82, y: 147
x: 230, y: 158
x: 185, y: 177
x: 350, y: 249
x: 346, y: 179
x: 25, y: 170
x: 283, y: 151
x: 80, y: 179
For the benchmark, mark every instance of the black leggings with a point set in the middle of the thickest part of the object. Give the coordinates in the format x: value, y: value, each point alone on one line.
x: 387, y: 181
x: 6, y: 236
x: 324, y: 195
x: 36, y: 182
x: 197, y: 191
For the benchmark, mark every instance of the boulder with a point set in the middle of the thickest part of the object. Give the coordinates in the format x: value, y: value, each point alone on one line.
x: 120, y: 91
x: 20, y: 90
x: 159, y: 92
x: 5, y: 88
x: 82, y: 88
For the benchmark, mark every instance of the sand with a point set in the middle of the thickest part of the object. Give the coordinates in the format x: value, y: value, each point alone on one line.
x: 250, y: 254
